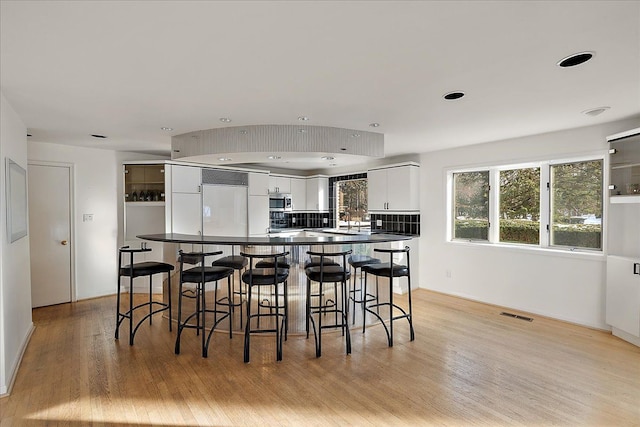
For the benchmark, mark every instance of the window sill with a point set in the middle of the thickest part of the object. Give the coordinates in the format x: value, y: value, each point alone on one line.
x: 535, y: 250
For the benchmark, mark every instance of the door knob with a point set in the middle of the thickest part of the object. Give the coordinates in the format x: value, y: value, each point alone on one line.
x: 63, y: 243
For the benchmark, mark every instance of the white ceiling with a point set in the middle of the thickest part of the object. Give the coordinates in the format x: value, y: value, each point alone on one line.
x: 126, y: 69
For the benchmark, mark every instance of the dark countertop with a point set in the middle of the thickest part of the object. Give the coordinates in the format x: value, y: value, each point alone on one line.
x: 299, y: 238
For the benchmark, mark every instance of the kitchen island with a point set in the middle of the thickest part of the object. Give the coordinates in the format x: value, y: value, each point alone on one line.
x: 297, y: 243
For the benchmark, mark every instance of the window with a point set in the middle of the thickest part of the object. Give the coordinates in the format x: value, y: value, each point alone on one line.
x: 576, y: 205
x: 520, y: 206
x: 352, y: 204
x: 548, y: 204
x: 471, y: 205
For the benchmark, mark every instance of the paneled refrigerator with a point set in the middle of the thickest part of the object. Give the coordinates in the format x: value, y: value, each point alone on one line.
x: 224, y: 210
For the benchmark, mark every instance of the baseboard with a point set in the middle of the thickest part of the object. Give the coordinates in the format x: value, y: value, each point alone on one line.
x: 6, y: 390
x: 626, y: 336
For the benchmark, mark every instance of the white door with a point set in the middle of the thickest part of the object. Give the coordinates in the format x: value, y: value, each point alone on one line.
x: 50, y: 234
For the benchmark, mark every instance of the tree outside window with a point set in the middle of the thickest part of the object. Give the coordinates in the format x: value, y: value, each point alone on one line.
x: 520, y: 206
x: 352, y: 199
x: 576, y: 204
x: 471, y: 205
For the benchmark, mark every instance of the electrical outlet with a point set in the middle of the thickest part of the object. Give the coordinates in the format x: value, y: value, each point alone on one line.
x: 448, y: 274
x: 325, y: 220
x: 378, y: 223
x: 293, y: 220
x: 87, y: 217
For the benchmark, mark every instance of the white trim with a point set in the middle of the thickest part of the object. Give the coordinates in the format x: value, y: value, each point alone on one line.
x: 6, y: 390
x: 72, y: 216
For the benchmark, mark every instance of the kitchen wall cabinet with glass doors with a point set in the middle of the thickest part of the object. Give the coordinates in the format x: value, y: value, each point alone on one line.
x: 623, y: 259
x: 144, y: 212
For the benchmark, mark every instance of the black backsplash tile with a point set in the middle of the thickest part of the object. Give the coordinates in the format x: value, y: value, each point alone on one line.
x: 408, y: 224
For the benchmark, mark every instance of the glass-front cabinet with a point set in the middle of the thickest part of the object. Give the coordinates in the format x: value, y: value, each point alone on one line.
x: 625, y: 166
x: 144, y: 183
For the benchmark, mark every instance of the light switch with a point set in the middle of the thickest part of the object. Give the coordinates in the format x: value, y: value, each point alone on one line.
x: 325, y: 220
x: 87, y: 217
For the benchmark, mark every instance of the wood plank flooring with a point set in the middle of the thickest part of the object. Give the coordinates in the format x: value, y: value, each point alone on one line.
x: 467, y: 366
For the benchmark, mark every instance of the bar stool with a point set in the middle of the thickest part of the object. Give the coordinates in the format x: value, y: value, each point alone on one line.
x: 323, y: 274
x: 238, y: 263
x: 261, y: 277
x: 148, y: 268
x: 357, y: 261
x: 200, y: 276
x: 315, y: 261
x: 391, y: 271
x: 282, y: 262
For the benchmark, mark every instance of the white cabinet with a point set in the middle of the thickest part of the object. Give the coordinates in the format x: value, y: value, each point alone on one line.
x: 258, y: 207
x: 317, y: 194
x: 186, y: 199
x: 299, y: 194
x: 394, y: 188
x: 279, y: 184
x: 185, y: 179
x: 186, y: 213
x: 623, y: 294
x: 258, y: 184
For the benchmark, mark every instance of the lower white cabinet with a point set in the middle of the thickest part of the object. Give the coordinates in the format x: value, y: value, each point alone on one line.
x: 623, y: 294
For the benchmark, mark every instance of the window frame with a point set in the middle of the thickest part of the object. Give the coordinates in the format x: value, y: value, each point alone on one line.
x: 545, y: 203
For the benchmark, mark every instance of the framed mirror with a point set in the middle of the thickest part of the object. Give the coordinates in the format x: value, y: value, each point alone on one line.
x: 16, y: 194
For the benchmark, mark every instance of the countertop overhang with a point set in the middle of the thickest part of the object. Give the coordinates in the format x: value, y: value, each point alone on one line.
x: 302, y: 238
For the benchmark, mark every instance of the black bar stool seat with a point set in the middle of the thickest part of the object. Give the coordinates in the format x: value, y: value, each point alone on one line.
x: 328, y: 273
x: 391, y: 271
x: 265, y: 276
x: 210, y: 274
x: 315, y: 262
x: 384, y: 270
x: 140, y: 269
x: 282, y: 263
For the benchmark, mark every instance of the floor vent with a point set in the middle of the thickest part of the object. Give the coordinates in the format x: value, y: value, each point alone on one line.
x: 515, y: 316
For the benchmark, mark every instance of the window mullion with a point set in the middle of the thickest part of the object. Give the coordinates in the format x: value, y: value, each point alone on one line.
x: 494, y: 206
x: 545, y: 204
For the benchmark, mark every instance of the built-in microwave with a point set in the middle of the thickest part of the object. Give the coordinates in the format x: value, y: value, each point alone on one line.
x: 280, y: 202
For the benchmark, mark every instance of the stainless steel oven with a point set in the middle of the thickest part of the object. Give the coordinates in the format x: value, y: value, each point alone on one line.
x: 280, y: 202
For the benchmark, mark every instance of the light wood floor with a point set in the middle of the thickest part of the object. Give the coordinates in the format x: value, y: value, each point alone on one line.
x: 467, y: 366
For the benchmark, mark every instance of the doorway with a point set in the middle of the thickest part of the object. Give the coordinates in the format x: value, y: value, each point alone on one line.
x: 50, y: 233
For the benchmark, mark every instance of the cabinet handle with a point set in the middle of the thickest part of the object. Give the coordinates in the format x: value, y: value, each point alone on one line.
x: 636, y: 268
x: 199, y: 188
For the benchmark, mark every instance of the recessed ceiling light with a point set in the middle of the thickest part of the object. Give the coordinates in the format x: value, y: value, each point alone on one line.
x: 243, y: 132
x: 302, y: 130
x: 29, y: 134
x: 274, y: 157
x: 355, y: 135
x: 225, y: 120
x: 98, y: 136
x: 303, y: 118
x: 575, y: 59
x: 453, y: 95
x: 327, y: 158
x: 224, y: 159
x: 374, y: 125
x: 595, y: 111
x: 167, y: 129
x: 343, y: 149
x: 333, y: 164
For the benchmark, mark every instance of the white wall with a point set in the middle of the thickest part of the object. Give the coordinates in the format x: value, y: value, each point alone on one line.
x: 15, y: 277
x: 562, y: 285
x: 97, y: 190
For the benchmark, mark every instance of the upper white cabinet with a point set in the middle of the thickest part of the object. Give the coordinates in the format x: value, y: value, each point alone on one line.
x: 279, y: 184
x: 394, y: 188
x: 624, y: 160
x: 185, y: 179
x: 299, y: 194
x: 317, y: 194
x: 258, y: 184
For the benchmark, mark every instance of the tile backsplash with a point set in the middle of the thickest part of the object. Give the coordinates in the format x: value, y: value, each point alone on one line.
x: 396, y: 223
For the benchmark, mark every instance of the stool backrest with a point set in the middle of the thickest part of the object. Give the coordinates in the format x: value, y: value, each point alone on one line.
x: 127, y: 250
x: 323, y: 255
x: 273, y: 256
x: 391, y: 252
x: 194, y: 258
